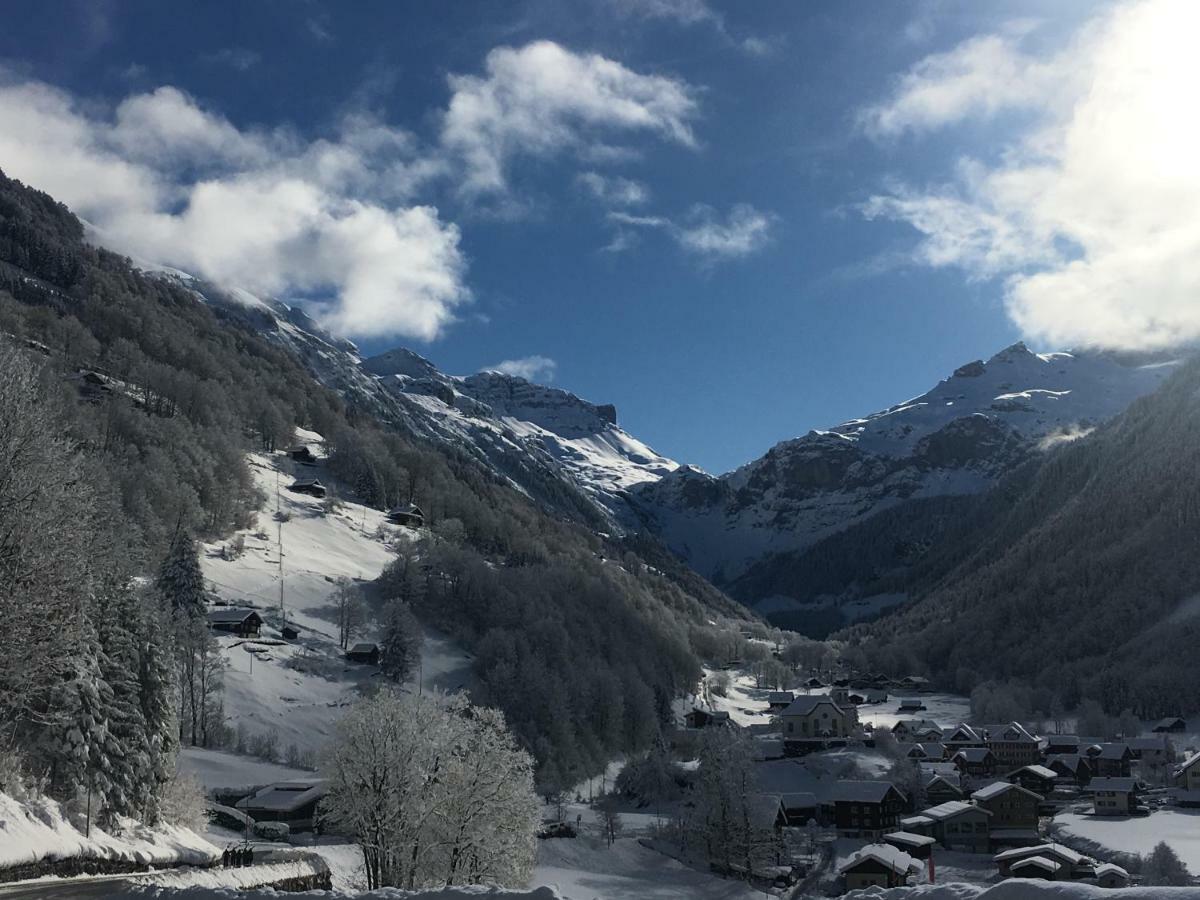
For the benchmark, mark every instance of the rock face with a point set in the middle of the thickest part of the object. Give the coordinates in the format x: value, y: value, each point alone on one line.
x: 957, y: 439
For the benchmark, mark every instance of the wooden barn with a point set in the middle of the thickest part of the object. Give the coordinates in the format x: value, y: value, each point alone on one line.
x: 242, y: 622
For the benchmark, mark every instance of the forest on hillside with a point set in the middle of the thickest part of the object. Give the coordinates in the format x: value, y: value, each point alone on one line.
x: 192, y: 389
x: 1075, y: 579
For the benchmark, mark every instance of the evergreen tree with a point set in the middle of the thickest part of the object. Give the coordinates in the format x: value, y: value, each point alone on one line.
x: 126, y: 745
x: 400, y: 649
x: 180, y: 582
x: 1163, y: 867
x: 157, y: 690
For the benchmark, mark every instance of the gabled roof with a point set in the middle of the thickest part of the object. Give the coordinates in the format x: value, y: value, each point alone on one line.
x: 306, y: 482
x: 961, y: 732
x: 1038, y: 770
x: 918, y: 725
x: 942, y: 779
x: 1063, y: 740
x: 231, y: 616
x: 1071, y: 760
x: 950, y: 809
x: 1120, y: 785
x: 764, y: 810
x: 711, y: 713
x: 1188, y: 763
x: 364, y: 647
x: 916, y: 821
x: 1056, y: 851
x: 1110, y: 869
x: 973, y: 754
x: 806, y: 703
x: 798, y: 800
x: 406, y: 510
x: 997, y: 788
x: 1169, y: 722
x: 1010, y: 732
x: 1037, y: 862
x: 885, y: 854
x: 1114, y: 751
x: 863, y: 791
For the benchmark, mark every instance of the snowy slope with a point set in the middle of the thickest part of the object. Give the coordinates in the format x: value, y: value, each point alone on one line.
x: 298, y: 689
x: 956, y: 439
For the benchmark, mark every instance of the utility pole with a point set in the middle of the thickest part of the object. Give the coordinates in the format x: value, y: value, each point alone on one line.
x: 279, y: 533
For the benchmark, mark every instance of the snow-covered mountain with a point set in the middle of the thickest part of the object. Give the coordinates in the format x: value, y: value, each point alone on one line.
x: 570, y: 454
x: 559, y: 449
x: 956, y: 439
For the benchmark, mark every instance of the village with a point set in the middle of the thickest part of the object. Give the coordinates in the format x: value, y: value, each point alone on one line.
x: 927, y: 798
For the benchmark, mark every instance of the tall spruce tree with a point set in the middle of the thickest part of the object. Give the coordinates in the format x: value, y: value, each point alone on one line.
x: 157, y: 693
x: 180, y: 582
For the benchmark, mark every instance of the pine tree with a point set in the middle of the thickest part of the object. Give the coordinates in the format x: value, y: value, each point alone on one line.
x: 180, y: 582
x: 400, y: 649
x: 157, y: 691
x: 1164, y: 867
x: 126, y: 746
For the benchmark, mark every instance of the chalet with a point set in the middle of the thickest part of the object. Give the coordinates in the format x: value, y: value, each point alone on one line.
x: 1013, y: 808
x: 765, y: 812
x: 918, y: 846
x: 242, y: 622
x: 814, y: 684
x: 799, y: 808
x: 959, y: 826
x: 977, y: 761
x: 867, y: 809
x: 310, y: 486
x: 920, y: 730
x: 1073, y: 768
x: 1116, y: 797
x: 1111, y: 760
x: 856, y: 698
x: 1072, y: 864
x: 929, y: 750
x: 874, y: 695
x: 1171, y: 725
x: 910, y: 705
x: 1013, y: 745
x: 1039, y: 779
x: 92, y: 386
x: 289, y: 632
x: 816, y: 716
x: 1110, y: 875
x: 1035, y: 867
x: 1061, y: 745
x: 408, y: 515
x: 302, y: 454
x: 1187, y: 776
x: 1152, y: 751
x: 878, y: 865
x: 293, y: 802
x: 940, y: 789
x: 367, y: 653
x: 707, y: 718
x: 962, y: 735
x: 778, y: 701
x: 916, y: 683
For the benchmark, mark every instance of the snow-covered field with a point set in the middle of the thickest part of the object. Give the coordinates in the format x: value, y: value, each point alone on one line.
x: 946, y: 710
x: 298, y: 689
x: 220, y: 769
x: 1178, y: 827
x: 587, y: 868
x: 1023, y: 889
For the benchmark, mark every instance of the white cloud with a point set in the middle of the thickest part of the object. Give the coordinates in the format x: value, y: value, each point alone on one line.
x: 703, y: 232
x: 613, y: 190
x: 542, y: 99
x: 329, y: 220
x: 238, y: 58
x: 531, y: 368
x: 685, y: 12
x: 1091, y: 211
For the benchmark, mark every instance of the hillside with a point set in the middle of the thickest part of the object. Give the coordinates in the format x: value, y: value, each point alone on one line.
x: 751, y: 530
x: 181, y: 408
x: 1078, y: 574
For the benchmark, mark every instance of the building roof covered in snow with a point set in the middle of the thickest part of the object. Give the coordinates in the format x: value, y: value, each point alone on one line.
x: 1119, y: 785
x: 806, y: 703
x: 886, y: 855
x: 231, y: 616
x: 1037, y: 862
x: 1038, y: 770
x: 863, y: 791
x: 950, y: 809
x: 1057, y: 851
x: 999, y: 788
x: 908, y: 839
x: 285, y: 796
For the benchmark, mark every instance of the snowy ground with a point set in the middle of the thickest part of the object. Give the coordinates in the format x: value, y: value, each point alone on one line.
x: 586, y: 868
x: 220, y: 769
x: 264, y: 690
x: 38, y: 829
x: 1023, y: 889
x: 946, y: 710
x: 1178, y: 827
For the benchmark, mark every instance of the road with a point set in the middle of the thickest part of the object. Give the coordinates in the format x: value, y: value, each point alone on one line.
x: 102, y: 885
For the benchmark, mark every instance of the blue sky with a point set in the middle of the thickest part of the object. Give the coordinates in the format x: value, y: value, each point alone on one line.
x: 734, y: 221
